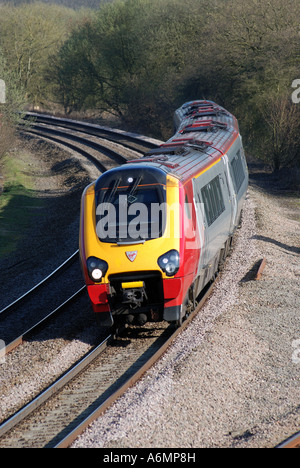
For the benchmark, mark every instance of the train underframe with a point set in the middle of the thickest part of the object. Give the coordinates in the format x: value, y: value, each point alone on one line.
x: 137, y: 298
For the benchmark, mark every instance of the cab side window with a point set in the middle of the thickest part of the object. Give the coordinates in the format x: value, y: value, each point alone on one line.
x: 237, y: 171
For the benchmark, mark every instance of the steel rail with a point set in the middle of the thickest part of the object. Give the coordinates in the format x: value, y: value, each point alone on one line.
x: 20, y: 339
x: 26, y: 410
x: 96, y: 130
x: 97, y: 146
x: 38, y: 285
x: 291, y: 442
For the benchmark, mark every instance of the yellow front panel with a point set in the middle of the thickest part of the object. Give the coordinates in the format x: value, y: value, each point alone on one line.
x: 147, y: 253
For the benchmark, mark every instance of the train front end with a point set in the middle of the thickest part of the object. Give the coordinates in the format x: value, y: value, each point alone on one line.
x: 131, y: 245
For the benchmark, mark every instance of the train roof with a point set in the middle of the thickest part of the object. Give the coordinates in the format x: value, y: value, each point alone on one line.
x: 205, y: 132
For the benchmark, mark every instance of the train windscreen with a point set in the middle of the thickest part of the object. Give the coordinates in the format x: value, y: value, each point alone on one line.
x: 131, y: 205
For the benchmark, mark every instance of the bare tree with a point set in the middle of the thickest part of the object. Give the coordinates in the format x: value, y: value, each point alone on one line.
x: 282, y: 142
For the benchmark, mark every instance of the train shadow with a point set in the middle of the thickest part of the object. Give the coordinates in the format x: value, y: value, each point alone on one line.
x: 279, y: 244
x: 77, y: 322
x: 138, y: 333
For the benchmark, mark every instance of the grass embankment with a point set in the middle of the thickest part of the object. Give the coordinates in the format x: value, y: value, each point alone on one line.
x: 18, y: 202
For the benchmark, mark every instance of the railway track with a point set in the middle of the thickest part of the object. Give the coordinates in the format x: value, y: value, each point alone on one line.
x: 59, y: 414
x: 37, y: 306
x: 125, y: 139
x: 65, y: 138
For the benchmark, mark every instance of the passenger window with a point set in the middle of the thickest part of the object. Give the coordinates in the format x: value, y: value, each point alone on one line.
x: 213, y: 200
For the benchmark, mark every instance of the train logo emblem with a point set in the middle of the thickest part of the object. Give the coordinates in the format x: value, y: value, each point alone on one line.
x: 131, y: 255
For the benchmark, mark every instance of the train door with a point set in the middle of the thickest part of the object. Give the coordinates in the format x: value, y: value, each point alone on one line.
x: 231, y: 192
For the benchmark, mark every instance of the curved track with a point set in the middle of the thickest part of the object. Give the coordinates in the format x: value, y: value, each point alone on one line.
x: 126, y: 139
x: 15, y: 325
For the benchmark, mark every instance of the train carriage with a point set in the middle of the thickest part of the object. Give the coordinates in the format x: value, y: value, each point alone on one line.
x: 155, y: 231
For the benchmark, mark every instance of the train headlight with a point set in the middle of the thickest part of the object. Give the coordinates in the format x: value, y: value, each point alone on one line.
x: 96, y: 268
x: 169, y: 262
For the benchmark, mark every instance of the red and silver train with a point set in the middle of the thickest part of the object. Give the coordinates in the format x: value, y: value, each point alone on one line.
x: 155, y: 231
